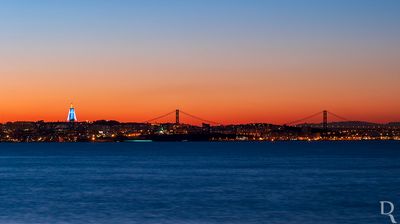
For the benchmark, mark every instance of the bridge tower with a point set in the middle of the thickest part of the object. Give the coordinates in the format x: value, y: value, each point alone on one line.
x: 325, y: 120
x: 71, y: 114
x: 177, y: 117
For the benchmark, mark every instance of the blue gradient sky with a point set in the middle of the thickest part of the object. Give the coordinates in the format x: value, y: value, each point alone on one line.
x: 227, y: 60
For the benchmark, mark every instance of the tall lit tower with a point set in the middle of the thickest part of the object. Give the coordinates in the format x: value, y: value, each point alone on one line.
x: 71, y: 114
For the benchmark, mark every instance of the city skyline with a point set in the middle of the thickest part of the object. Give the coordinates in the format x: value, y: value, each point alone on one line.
x: 171, y: 127
x: 228, y: 61
x: 175, y: 117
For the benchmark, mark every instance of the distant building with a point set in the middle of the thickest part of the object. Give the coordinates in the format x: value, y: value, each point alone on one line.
x: 71, y: 114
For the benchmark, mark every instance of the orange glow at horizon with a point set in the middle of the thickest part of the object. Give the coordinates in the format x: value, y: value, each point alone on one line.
x: 223, y: 94
x: 224, y: 101
x: 248, y: 62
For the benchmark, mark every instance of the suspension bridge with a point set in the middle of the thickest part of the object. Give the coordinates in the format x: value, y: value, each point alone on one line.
x: 177, y: 114
x: 324, y: 115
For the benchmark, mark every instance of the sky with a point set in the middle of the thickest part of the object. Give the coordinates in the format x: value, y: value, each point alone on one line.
x: 230, y: 61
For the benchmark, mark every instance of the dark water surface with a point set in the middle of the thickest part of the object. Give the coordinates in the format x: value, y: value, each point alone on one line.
x: 287, y: 182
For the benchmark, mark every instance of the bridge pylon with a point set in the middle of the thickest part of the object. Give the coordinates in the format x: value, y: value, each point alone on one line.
x: 325, y: 120
x: 177, y: 116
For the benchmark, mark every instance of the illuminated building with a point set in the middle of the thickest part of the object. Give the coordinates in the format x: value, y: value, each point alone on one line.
x: 71, y: 114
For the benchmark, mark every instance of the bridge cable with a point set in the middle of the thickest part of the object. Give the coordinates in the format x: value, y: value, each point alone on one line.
x: 159, y: 117
x: 304, y: 119
x: 200, y: 119
x: 337, y: 116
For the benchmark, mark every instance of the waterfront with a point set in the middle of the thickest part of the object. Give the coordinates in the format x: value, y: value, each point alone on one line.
x: 220, y: 182
x: 114, y: 131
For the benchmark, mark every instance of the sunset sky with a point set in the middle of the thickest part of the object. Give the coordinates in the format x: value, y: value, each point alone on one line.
x: 231, y: 61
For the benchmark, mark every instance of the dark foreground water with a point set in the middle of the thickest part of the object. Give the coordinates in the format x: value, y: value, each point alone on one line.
x: 288, y: 182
